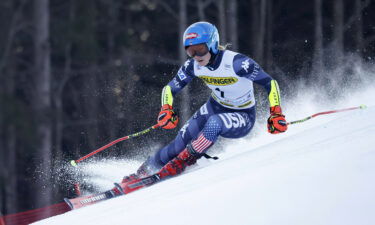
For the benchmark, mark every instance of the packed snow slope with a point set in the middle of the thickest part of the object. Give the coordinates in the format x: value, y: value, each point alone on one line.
x: 321, y: 172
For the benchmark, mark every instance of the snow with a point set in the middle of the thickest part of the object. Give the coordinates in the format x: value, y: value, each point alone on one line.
x: 321, y: 172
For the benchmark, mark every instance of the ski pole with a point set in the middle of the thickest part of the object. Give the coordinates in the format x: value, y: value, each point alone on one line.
x: 74, y: 162
x: 327, y: 112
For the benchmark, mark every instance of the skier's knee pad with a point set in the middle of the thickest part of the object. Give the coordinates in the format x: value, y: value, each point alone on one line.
x: 213, y: 127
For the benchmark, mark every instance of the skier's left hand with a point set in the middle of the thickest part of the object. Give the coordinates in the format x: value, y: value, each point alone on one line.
x: 276, y: 123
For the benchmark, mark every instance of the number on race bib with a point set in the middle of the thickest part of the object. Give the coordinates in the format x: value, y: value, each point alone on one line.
x: 221, y: 92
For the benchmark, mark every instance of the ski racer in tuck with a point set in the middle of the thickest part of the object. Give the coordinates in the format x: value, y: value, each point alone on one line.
x: 229, y: 112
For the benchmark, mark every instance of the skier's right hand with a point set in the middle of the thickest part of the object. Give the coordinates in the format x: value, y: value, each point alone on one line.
x: 167, y: 118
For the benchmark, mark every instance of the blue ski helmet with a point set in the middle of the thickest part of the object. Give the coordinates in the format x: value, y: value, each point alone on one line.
x: 202, y: 32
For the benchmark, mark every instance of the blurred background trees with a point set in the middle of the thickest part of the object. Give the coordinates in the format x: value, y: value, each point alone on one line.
x: 75, y: 74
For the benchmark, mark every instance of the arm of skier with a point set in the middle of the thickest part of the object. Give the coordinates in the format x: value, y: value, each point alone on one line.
x: 167, y: 118
x: 276, y: 123
x: 250, y: 69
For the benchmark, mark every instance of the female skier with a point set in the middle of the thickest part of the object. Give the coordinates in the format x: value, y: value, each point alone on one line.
x: 229, y: 112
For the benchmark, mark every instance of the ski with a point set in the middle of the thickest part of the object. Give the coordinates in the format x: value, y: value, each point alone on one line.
x: 119, y: 189
x: 140, y: 183
x: 80, y: 202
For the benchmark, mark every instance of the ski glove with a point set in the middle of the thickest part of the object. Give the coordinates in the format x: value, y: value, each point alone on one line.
x: 276, y: 123
x: 167, y: 118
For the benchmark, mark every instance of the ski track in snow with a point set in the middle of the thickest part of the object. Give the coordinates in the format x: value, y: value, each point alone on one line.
x: 319, y: 172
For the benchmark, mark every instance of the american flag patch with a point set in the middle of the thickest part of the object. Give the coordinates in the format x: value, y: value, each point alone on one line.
x: 201, y: 144
x: 191, y: 35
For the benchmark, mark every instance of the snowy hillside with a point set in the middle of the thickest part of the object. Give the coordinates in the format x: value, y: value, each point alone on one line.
x: 319, y: 172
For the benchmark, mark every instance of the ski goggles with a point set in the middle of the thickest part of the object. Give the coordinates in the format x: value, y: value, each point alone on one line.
x: 197, y: 50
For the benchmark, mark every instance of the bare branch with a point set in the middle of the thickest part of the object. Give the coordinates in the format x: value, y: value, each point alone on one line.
x: 369, y: 40
x: 353, y: 17
x: 13, y: 29
x: 167, y: 8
